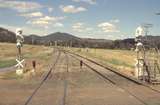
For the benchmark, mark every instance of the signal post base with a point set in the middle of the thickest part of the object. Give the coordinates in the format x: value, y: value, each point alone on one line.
x: 19, y: 71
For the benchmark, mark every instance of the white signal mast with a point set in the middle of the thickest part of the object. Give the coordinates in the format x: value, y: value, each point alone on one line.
x: 20, y: 60
x: 141, y: 32
x: 146, y: 27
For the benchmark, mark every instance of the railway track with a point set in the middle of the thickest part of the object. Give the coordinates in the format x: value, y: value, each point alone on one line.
x: 125, y: 85
x: 118, y: 73
x: 50, y: 74
x: 64, y: 98
x: 129, y: 85
x: 51, y: 68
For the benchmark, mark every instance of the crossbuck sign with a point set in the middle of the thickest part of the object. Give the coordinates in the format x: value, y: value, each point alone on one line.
x: 19, y: 63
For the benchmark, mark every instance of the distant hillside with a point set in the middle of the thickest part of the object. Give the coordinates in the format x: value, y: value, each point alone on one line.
x: 153, y: 40
x: 7, y: 36
x: 61, y: 38
x: 33, y: 39
x: 66, y: 39
x: 124, y: 44
x: 97, y: 43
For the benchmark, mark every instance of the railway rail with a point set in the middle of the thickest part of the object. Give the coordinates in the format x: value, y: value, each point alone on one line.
x: 117, y: 72
x: 129, y: 86
x: 110, y: 80
x: 52, y: 67
x: 118, y: 77
x: 65, y: 81
x: 50, y: 74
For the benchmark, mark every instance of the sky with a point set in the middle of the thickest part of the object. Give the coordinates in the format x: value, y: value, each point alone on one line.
x: 107, y: 19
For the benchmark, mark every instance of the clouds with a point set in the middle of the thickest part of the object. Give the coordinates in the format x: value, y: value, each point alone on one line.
x: 32, y: 14
x: 50, y: 9
x: 28, y: 6
x: 80, y: 27
x: 37, y: 15
x: 37, y: 22
x: 115, y: 21
x: 108, y: 27
x: 86, y: 1
x: 46, y: 20
x: 20, y: 6
x: 72, y: 9
x: 58, y: 25
x: 49, y: 18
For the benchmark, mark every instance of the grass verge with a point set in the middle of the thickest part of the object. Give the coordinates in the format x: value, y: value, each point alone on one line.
x: 11, y: 75
x: 7, y: 63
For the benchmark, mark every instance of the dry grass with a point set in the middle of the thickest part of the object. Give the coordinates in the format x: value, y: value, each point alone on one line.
x: 123, y: 60
x: 40, y: 54
x: 120, y: 59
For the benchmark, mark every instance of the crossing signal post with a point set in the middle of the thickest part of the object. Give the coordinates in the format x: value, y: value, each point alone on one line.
x: 140, y: 61
x: 20, y: 60
x: 147, y: 64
